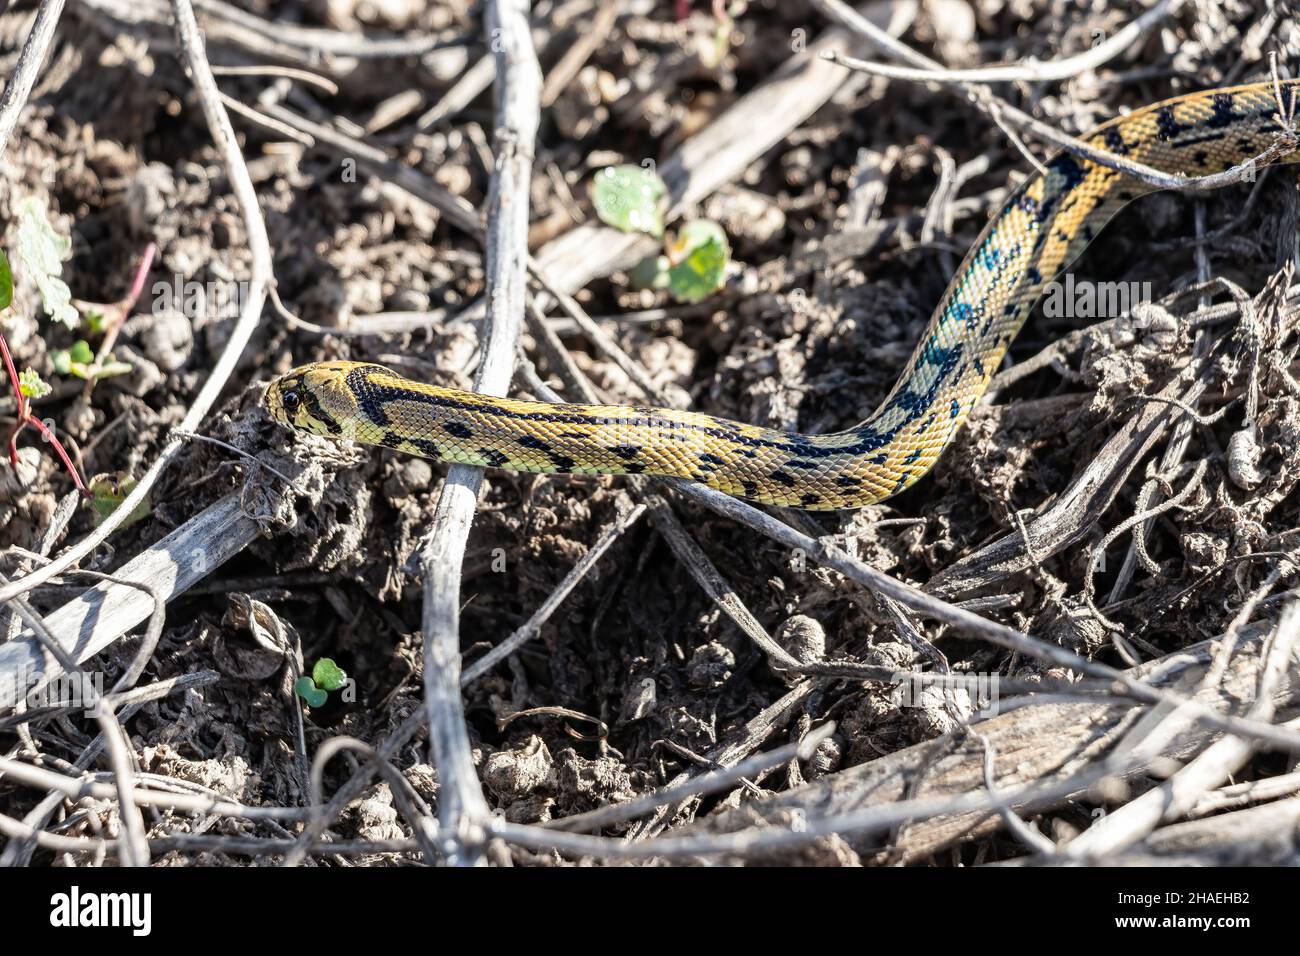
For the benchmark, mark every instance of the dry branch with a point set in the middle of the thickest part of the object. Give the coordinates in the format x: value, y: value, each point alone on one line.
x: 19, y: 85
x: 92, y: 621
x: 1260, y: 836
x: 1039, y: 745
x: 1227, y: 755
x: 1030, y: 70
x: 461, y: 806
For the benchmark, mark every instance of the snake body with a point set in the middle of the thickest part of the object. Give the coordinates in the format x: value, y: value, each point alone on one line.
x: 1042, y: 228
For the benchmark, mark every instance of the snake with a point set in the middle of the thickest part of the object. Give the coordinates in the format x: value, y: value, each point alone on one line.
x: 1043, y: 227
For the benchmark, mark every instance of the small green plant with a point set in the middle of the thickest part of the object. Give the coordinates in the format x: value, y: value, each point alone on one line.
x: 41, y: 251
x: 31, y: 385
x: 629, y: 198
x: 97, y: 323
x: 725, y: 14
x: 79, y: 361
x: 325, y: 677
x: 28, y: 386
x: 693, y: 264
x: 697, y: 260
x: 6, y: 283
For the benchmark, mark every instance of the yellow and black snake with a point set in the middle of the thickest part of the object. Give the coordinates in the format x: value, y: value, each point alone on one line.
x: 1048, y: 222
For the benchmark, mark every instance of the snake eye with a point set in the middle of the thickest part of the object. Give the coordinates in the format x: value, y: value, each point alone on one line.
x: 292, y: 401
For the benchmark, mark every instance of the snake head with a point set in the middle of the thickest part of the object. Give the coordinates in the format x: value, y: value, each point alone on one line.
x: 319, y: 398
x: 283, y: 398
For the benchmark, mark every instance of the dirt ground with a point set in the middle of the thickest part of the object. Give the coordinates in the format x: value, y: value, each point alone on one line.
x: 844, y: 235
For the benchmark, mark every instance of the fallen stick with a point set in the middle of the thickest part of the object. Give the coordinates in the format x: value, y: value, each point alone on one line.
x: 1267, y: 835
x: 90, y: 622
x: 461, y: 806
x: 1043, y: 744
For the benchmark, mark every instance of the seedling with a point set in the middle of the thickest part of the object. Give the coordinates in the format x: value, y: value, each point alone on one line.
x: 26, y: 387
x: 325, y: 677
x: 693, y: 264
x: 41, y: 251
x: 629, y: 198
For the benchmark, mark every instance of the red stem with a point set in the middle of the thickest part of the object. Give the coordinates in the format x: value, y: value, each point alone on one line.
x: 120, y: 310
x: 49, y: 436
x: 141, y: 274
x: 25, y: 418
x: 13, y: 377
x: 19, y: 397
x: 13, y: 445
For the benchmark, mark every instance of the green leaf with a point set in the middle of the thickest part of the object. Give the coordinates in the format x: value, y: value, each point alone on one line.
x: 696, y: 233
x: 79, y: 361
x: 31, y: 384
x: 111, y: 368
x: 81, y: 352
x: 650, y: 273
x: 306, y: 688
x: 41, y: 251
x: 96, y: 322
x: 699, y: 254
x: 63, y: 364
x: 628, y: 198
x: 108, y: 491
x: 6, y: 282
x: 329, y: 675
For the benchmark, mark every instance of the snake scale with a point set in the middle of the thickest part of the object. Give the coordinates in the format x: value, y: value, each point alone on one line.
x: 1042, y: 229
